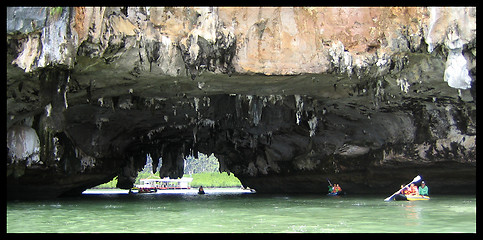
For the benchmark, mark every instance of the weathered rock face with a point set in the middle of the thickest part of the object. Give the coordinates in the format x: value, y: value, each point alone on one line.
x: 284, y: 97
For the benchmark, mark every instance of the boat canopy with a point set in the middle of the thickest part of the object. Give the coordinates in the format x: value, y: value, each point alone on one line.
x: 166, y: 182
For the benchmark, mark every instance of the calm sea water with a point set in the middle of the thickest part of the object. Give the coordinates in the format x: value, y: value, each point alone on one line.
x: 224, y: 212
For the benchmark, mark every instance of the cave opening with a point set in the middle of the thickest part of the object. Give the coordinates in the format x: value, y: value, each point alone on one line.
x: 203, y: 169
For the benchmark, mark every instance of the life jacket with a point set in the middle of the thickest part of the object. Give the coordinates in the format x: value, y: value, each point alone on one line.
x: 413, y: 190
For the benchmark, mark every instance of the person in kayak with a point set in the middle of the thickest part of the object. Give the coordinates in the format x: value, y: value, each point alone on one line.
x: 404, y: 190
x: 423, y: 189
x: 336, y: 188
x: 413, y: 190
x: 201, y: 190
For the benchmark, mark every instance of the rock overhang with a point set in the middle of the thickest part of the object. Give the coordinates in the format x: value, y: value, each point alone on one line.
x: 132, y: 94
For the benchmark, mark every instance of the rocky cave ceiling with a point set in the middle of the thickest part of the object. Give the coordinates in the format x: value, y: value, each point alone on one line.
x: 284, y: 97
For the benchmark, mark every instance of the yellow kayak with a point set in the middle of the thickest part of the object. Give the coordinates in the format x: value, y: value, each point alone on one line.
x: 416, y: 198
x: 403, y: 197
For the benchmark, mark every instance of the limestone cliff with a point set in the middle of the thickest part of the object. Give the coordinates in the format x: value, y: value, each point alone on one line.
x: 285, y: 97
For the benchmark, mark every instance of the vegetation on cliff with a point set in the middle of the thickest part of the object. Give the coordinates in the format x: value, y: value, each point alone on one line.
x: 203, y: 170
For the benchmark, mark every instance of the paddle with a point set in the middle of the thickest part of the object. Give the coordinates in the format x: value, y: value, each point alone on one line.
x: 329, y: 184
x: 417, y: 178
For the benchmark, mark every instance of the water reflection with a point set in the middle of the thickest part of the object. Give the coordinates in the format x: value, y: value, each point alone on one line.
x: 412, y: 212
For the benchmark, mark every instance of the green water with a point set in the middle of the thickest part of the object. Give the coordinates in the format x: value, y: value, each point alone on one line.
x: 242, y: 213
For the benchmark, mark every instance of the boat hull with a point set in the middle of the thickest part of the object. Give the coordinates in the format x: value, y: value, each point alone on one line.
x: 336, y: 194
x: 417, y: 198
x: 402, y: 197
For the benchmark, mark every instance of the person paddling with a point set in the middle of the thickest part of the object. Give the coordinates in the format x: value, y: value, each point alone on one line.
x: 200, y: 190
x: 331, y: 187
x: 404, y: 190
